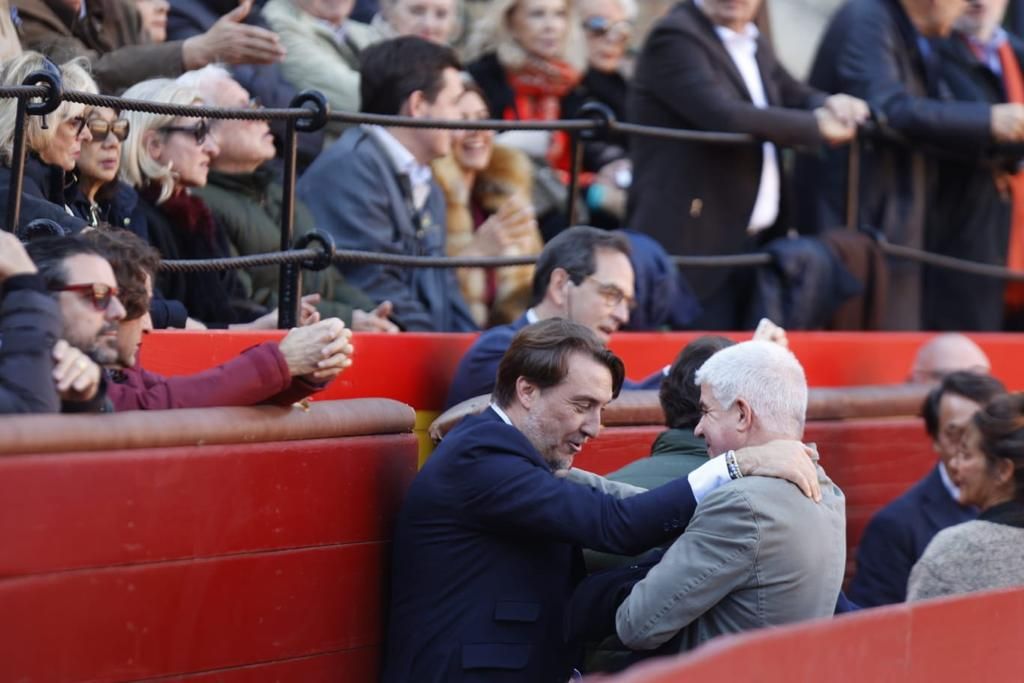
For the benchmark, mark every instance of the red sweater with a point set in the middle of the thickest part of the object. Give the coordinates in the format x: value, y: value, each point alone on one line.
x: 257, y: 375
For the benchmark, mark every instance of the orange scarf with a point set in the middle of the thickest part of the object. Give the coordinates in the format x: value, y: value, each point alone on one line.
x: 1013, y: 81
x: 539, y: 87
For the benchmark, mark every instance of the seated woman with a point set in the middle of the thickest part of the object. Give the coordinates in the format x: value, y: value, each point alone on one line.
x: 434, y: 20
x: 53, y: 142
x: 528, y: 60
x: 487, y: 190
x: 989, y: 470
x: 164, y: 157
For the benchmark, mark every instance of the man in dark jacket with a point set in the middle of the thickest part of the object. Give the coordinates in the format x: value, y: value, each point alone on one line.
x: 879, y: 50
x: 373, y: 189
x: 109, y: 33
x: 705, y: 66
x: 303, y: 362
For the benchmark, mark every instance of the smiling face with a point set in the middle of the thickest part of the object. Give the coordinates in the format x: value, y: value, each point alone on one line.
x: 429, y: 144
x: 65, y: 147
x: 434, y: 20
x: 177, y: 145
x: 720, y: 426
x: 101, y: 157
x: 561, y: 418
x: 472, y: 148
x: 92, y: 331
x: 540, y: 27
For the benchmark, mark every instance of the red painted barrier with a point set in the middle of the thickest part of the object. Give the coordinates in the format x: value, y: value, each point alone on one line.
x: 966, y: 638
x: 248, y: 562
x: 417, y: 368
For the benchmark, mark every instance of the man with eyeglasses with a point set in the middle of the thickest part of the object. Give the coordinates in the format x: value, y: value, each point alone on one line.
x: 897, y: 535
x: 84, y: 286
x: 584, y: 275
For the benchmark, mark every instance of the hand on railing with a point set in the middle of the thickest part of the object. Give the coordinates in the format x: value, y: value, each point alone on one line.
x: 318, y: 352
x: 231, y: 41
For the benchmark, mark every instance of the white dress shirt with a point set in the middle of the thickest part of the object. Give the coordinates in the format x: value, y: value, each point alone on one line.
x: 419, y: 175
x: 742, y: 47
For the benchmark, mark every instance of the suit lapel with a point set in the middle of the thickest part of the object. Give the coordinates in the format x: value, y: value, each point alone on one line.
x: 766, y: 65
x: 710, y: 37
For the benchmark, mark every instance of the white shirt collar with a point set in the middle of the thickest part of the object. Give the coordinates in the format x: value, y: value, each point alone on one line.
x: 501, y: 414
x: 951, y: 488
x: 420, y: 175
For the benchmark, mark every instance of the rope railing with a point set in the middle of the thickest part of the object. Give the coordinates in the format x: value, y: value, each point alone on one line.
x: 310, y: 111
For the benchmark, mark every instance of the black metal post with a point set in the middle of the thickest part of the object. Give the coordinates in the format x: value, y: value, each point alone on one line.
x: 290, y: 287
x: 576, y: 156
x: 853, y: 184
x: 17, y: 167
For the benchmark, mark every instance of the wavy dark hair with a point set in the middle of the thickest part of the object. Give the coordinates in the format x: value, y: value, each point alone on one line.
x: 1001, y: 424
x: 679, y: 393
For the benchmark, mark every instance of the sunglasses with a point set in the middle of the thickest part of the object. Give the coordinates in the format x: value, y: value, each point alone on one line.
x: 600, y: 27
x: 96, y: 293
x: 198, y: 131
x: 101, y: 128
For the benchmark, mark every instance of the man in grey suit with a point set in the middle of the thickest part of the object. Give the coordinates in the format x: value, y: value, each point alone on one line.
x: 757, y: 552
x: 373, y: 189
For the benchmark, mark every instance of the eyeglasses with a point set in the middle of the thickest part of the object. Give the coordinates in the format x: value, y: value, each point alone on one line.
x: 600, y: 27
x: 198, y: 131
x: 101, y: 128
x: 80, y: 123
x: 611, y: 294
x: 96, y: 293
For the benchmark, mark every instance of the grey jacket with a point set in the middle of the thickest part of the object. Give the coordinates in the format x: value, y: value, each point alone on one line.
x: 355, y: 194
x: 756, y: 553
x: 969, y: 557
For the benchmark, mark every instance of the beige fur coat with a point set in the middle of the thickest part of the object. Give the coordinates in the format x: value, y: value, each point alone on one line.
x: 508, y: 173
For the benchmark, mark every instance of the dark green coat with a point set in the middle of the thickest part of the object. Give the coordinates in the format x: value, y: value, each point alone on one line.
x: 248, y: 208
x: 675, y: 453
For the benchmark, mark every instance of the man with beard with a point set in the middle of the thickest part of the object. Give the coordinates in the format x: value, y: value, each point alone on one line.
x: 487, y: 546
x: 86, y: 293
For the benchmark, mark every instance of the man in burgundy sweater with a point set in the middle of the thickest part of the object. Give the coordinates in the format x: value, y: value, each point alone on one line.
x: 272, y: 372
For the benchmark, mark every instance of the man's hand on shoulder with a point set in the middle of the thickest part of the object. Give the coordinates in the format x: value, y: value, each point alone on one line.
x: 782, y: 459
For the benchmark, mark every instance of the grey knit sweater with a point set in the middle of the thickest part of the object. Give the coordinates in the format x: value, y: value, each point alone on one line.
x: 969, y: 557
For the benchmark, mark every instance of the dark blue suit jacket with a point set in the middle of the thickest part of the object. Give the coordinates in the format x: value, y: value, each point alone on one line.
x: 897, y: 536
x: 478, y: 369
x: 487, y: 552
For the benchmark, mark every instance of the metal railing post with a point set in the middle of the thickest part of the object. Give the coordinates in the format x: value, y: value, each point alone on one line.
x: 51, y: 77
x: 576, y: 159
x: 289, y: 297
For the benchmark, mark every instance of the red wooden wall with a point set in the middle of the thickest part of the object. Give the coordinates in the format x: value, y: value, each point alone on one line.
x: 952, y: 640
x: 248, y: 562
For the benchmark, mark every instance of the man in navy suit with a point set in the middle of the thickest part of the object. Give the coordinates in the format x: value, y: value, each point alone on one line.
x: 488, y: 543
x: 585, y: 275
x: 898, y: 534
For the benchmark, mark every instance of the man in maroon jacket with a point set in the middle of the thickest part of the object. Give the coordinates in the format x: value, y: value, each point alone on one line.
x: 272, y: 372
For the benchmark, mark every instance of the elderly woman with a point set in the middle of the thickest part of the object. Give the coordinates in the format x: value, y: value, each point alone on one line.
x: 54, y: 144
x: 989, y: 470
x: 487, y: 189
x: 434, y: 20
x: 164, y: 157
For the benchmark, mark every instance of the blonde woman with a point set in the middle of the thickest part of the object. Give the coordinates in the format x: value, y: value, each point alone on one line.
x: 164, y: 157
x: 53, y: 142
x: 435, y: 20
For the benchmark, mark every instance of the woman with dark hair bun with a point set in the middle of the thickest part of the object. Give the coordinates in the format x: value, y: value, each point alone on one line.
x: 989, y: 469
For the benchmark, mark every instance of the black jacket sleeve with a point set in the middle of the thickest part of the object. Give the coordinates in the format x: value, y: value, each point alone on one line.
x: 29, y: 325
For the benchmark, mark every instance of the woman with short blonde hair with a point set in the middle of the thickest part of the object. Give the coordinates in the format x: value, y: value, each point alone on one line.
x: 54, y: 141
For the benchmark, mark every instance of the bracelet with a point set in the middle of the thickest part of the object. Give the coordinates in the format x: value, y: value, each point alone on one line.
x: 731, y: 465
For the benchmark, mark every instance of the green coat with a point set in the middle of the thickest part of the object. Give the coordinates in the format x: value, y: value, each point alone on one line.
x: 248, y: 209
x: 675, y: 453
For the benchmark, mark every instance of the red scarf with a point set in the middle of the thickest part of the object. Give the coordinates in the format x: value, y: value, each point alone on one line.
x: 538, y: 87
x: 1013, y: 81
x: 185, y: 212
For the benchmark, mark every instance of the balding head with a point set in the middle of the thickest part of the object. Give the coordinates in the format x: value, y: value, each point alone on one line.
x: 948, y: 353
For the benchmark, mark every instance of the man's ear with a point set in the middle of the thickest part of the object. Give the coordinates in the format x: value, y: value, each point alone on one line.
x: 526, y: 392
x: 415, y: 104
x: 558, y: 286
x: 745, y: 421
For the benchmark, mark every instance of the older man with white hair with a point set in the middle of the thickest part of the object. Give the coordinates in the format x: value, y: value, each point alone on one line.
x: 757, y: 552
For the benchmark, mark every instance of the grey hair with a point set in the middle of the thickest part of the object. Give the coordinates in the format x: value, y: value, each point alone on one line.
x: 629, y: 8
x: 767, y: 376
x: 204, y: 80
x: 74, y: 75
x: 137, y: 167
x: 492, y: 32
